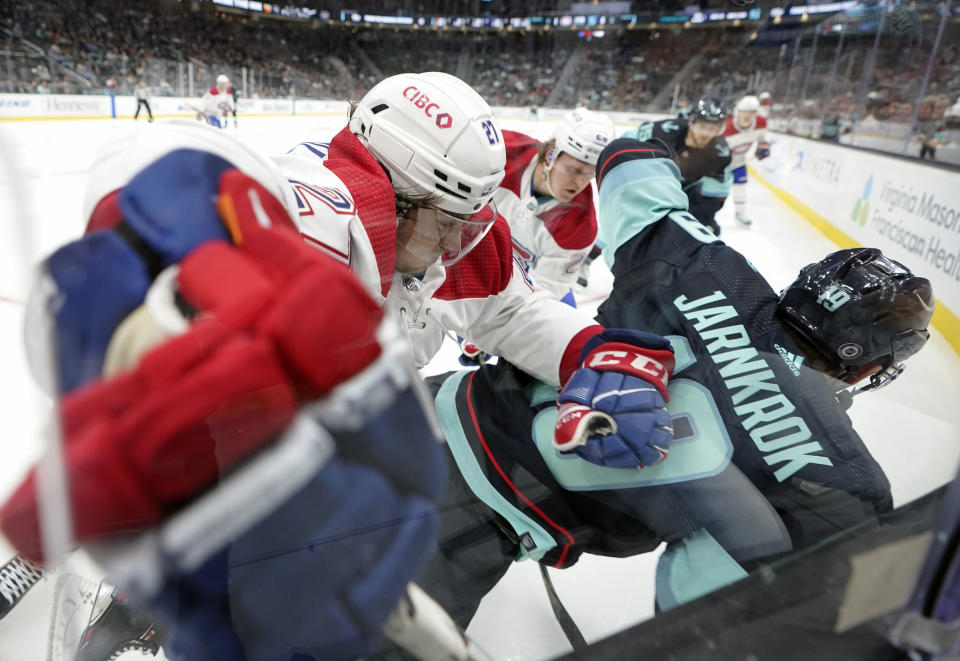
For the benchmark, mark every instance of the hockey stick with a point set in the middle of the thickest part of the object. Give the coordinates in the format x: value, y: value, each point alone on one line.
x: 570, y: 629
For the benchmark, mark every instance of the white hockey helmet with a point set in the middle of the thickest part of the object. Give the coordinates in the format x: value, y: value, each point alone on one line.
x: 435, y: 136
x: 749, y: 103
x: 222, y: 78
x: 765, y: 98
x: 583, y: 134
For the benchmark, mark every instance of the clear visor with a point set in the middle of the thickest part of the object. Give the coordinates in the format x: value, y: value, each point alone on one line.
x: 426, y: 236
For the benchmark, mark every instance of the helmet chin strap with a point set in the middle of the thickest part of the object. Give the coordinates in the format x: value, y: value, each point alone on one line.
x: 877, y: 380
x: 882, y: 378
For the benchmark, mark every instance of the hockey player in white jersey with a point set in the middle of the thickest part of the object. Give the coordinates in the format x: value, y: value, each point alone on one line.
x: 217, y: 102
x: 189, y: 244
x: 547, y: 199
x: 548, y: 202
x: 742, y: 130
x: 766, y: 101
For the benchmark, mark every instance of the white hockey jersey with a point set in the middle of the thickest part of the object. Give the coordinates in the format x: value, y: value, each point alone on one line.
x: 740, y: 140
x: 216, y: 103
x: 550, y: 238
x: 342, y: 202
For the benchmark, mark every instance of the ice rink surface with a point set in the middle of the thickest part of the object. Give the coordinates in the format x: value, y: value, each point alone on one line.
x: 912, y: 427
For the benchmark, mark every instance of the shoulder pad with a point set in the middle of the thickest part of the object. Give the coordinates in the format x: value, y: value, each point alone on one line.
x: 573, y: 226
x: 520, y: 152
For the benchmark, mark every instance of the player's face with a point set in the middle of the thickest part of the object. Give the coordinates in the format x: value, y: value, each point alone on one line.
x: 746, y: 118
x: 569, y: 176
x: 701, y: 133
x: 422, y: 236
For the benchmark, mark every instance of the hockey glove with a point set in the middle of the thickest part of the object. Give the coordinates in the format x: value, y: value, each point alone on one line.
x: 141, y: 443
x: 763, y: 150
x: 613, y: 412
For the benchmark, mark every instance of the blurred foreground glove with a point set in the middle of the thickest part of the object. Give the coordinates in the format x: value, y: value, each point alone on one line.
x: 273, y: 465
x: 612, y: 412
x: 763, y: 150
x: 141, y: 443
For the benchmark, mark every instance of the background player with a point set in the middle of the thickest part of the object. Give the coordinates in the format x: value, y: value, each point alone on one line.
x: 741, y: 131
x: 700, y: 152
x: 766, y: 102
x: 547, y: 199
x: 217, y: 102
x: 768, y: 461
x: 549, y: 204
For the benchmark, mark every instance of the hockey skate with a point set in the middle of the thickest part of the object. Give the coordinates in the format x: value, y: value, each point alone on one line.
x: 91, y: 622
x: 16, y: 579
x: 743, y: 219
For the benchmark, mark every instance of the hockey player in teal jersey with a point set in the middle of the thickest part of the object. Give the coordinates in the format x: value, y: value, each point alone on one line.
x: 700, y: 152
x: 764, y: 461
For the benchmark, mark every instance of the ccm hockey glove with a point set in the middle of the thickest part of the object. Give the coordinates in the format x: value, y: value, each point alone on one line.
x: 613, y: 412
x: 763, y: 150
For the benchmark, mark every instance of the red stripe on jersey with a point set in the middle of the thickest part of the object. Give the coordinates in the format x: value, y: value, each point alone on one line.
x: 503, y: 475
x: 326, y: 247
x: 485, y: 270
x: 372, y: 194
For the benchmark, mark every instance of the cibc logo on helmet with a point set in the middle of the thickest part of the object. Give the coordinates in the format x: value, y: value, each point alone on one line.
x: 422, y: 101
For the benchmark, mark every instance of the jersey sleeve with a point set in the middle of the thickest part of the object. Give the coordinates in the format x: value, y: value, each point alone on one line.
x: 529, y: 328
x: 489, y: 299
x: 639, y: 184
x: 569, y: 232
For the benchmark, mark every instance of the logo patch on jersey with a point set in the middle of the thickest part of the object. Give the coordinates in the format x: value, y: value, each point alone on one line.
x: 420, y: 100
x: 670, y: 127
x: 332, y: 197
x: 792, y: 360
x: 723, y: 149
x: 523, y: 272
x: 524, y: 257
x: 318, y: 149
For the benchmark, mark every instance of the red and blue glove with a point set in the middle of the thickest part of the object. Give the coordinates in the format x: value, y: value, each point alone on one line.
x: 763, y: 150
x: 612, y: 412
